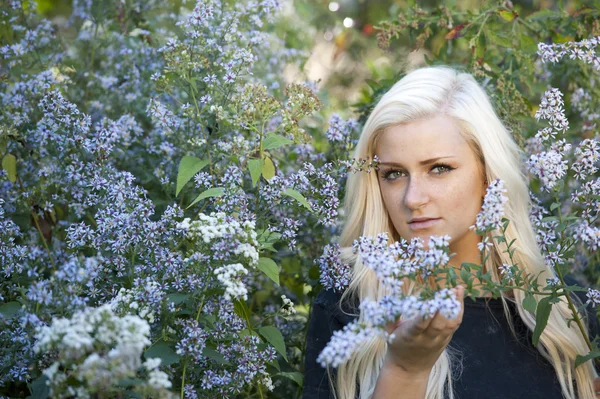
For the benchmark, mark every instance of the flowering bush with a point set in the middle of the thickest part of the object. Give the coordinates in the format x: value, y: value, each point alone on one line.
x: 158, y: 182
x: 165, y: 196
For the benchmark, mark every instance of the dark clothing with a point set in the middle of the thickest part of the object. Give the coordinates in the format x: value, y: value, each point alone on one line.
x: 495, y: 364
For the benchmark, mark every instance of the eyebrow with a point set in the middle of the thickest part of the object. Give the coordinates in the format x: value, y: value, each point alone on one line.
x: 422, y: 163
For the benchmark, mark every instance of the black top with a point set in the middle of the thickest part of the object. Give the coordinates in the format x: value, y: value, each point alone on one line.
x: 495, y: 364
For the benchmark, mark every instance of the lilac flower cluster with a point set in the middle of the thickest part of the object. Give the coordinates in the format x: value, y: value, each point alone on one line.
x: 401, y: 259
x: 587, y: 154
x: 340, y: 131
x: 335, y: 275
x: 593, y: 297
x: 492, y: 210
x: 376, y: 315
x: 97, y: 140
x: 318, y: 186
x: 392, y: 264
x: 545, y: 229
x: 589, y: 235
x: 583, y: 50
x: 193, y: 342
x: 552, y: 109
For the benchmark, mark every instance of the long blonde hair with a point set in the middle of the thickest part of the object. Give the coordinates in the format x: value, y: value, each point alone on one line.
x: 420, y: 94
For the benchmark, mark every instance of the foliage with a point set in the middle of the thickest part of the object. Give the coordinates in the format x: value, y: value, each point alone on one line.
x: 158, y: 171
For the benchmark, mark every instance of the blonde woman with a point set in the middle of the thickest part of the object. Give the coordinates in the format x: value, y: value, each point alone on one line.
x: 439, y: 142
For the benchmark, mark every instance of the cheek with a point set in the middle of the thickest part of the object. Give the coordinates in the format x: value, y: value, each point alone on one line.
x: 392, y: 201
x: 461, y: 202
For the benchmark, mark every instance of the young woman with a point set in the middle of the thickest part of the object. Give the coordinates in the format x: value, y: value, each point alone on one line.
x: 439, y: 143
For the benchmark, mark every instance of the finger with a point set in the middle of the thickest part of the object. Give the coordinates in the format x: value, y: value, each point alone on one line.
x: 460, y: 296
x: 441, y: 324
x: 417, y: 325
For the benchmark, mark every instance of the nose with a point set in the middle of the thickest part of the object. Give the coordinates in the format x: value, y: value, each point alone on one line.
x: 416, y: 194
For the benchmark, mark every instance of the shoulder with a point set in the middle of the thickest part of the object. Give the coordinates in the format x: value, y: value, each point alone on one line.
x: 329, y: 301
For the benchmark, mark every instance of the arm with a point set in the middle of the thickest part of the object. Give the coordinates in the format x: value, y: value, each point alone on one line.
x: 414, y: 386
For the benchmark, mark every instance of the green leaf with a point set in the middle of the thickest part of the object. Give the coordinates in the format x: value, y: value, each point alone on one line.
x: 177, y: 298
x: 188, y: 167
x: 506, y: 15
x: 241, y: 309
x: 290, y: 192
x: 214, y: 355
x: 274, y: 141
x: 554, y: 206
x: 39, y: 389
x: 267, y: 238
x: 527, y: 43
x: 255, y: 166
x: 472, y: 265
x: 498, y: 38
x: 274, y: 337
x: 268, y: 169
x: 541, y: 319
x: 579, y: 360
x: 211, y: 192
x: 10, y: 309
x: 9, y: 164
x: 529, y: 303
x: 465, y: 276
x: 270, y: 268
x: 295, y: 376
x: 480, y: 48
x: 543, y: 14
x: 550, y: 219
x: 163, y: 351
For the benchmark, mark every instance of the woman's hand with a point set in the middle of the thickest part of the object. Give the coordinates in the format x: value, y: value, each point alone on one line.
x: 419, y: 343
x: 597, y: 387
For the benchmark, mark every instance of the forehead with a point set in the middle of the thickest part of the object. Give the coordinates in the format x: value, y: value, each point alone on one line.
x: 422, y: 139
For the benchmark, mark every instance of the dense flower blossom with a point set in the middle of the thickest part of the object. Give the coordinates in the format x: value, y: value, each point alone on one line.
x: 233, y: 237
x: 590, y: 235
x: 593, y: 297
x: 583, y: 50
x: 376, y: 315
x: 340, y: 130
x: 230, y: 277
x: 335, y: 275
x: 552, y: 109
x: 492, y: 210
x: 97, y: 347
x: 587, y: 154
x: 549, y: 167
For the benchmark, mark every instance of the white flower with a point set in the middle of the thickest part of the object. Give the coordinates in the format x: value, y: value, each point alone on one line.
x: 231, y: 277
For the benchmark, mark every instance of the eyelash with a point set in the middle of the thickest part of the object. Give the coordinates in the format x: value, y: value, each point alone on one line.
x: 448, y: 168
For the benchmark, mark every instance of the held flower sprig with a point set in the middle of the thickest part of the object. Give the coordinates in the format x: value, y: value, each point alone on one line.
x: 393, y: 264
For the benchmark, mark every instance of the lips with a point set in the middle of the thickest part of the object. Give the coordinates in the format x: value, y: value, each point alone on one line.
x: 422, y: 223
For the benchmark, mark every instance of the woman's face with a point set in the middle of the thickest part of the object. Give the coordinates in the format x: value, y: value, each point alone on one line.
x: 428, y: 170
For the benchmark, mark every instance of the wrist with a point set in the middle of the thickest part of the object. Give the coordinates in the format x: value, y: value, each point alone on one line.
x: 402, y: 371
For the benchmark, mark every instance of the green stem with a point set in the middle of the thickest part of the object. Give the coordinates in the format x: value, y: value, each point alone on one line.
x: 183, y: 380
x: 562, y: 281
